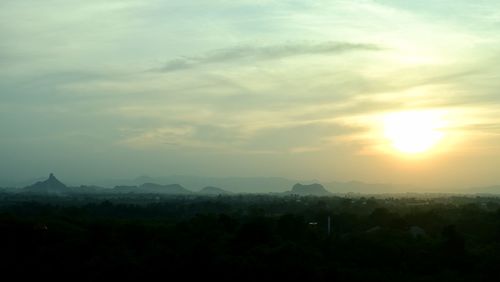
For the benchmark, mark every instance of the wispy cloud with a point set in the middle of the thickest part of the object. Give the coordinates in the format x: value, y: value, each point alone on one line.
x: 262, y: 53
x: 290, y: 137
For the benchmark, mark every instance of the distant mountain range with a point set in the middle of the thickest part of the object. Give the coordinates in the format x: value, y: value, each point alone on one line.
x: 179, y: 184
x: 261, y: 184
x: 274, y: 184
x: 232, y: 184
x: 53, y: 186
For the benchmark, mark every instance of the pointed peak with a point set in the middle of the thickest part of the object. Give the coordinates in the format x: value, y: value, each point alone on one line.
x: 51, y: 185
x: 52, y: 179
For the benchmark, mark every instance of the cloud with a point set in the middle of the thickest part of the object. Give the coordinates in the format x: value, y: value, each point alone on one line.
x: 489, y: 128
x: 265, y: 53
x: 291, y: 137
x: 299, y: 136
x: 163, y: 135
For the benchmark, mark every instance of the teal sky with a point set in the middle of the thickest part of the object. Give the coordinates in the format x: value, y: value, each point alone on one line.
x: 299, y: 89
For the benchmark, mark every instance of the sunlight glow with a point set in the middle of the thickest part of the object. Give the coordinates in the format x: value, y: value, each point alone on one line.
x: 413, y: 132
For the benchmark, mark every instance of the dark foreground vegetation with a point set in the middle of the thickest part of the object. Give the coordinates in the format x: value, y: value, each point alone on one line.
x: 249, y: 238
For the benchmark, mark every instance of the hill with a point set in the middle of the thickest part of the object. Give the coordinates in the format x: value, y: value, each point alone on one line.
x: 50, y: 186
x: 211, y: 190
x: 314, y: 189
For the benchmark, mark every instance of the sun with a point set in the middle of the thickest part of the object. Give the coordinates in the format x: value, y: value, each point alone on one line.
x: 413, y: 132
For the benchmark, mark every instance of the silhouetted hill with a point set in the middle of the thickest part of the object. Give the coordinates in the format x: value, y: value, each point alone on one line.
x: 211, y: 190
x: 311, y: 189
x: 50, y: 186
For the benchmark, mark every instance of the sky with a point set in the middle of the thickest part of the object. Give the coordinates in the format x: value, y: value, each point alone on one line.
x: 298, y: 89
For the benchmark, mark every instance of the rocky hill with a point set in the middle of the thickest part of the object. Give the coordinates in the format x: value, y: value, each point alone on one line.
x: 50, y: 186
x: 309, y: 190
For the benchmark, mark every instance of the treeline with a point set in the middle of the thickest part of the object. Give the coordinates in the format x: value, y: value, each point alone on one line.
x: 250, y: 238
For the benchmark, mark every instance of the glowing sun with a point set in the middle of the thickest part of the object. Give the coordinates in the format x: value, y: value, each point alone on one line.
x: 413, y: 132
